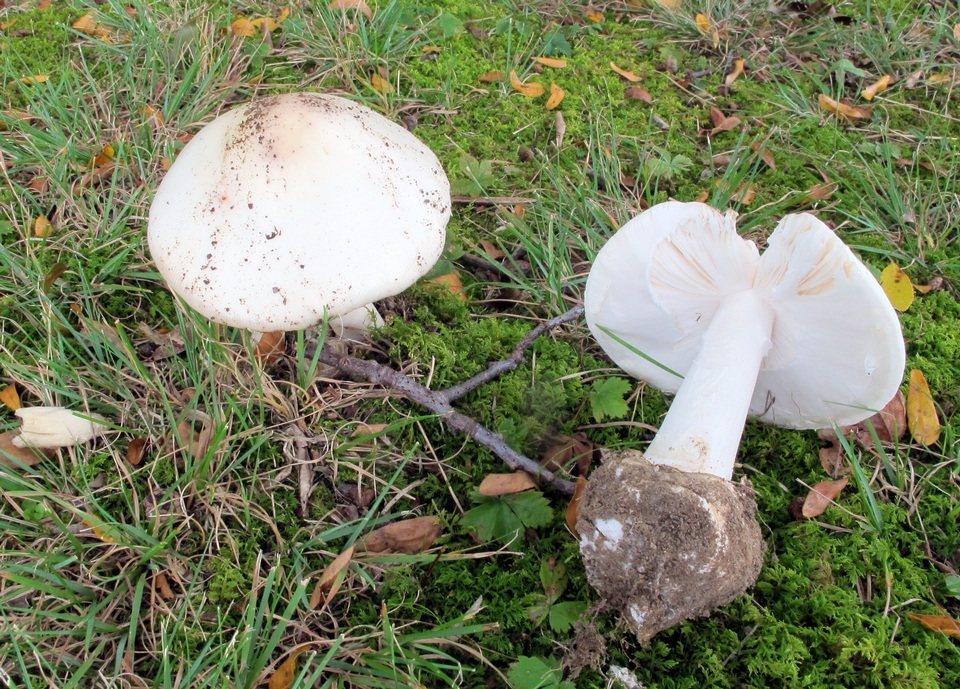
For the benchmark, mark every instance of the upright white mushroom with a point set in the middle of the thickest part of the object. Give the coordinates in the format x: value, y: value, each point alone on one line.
x: 802, y: 336
x: 295, y: 206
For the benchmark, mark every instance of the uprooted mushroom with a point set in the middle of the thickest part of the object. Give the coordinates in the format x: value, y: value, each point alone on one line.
x: 801, y: 337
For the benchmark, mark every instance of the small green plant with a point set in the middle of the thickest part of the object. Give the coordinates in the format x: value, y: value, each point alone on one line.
x: 537, y: 673
x: 506, y: 518
x: 662, y: 165
x: 608, y: 398
x: 560, y: 614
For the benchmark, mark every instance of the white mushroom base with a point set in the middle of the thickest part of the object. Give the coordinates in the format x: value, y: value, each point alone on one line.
x: 662, y: 545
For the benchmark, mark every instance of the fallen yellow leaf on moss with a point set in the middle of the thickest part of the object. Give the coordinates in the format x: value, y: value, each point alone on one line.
x: 380, y: 84
x: 629, y: 76
x: 10, y: 397
x: 555, y: 62
x: 881, y: 84
x: 922, y: 417
x: 938, y: 623
x: 738, y: 67
x: 843, y: 111
x: 897, y: 286
x: 557, y: 95
x: 530, y: 89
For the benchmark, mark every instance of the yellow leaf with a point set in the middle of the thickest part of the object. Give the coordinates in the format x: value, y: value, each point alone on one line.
x: 556, y: 96
x: 707, y: 28
x: 956, y: 31
x: 530, y: 90
x: 922, y: 417
x: 738, y: 66
x: 555, y: 62
x: 491, y: 76
x: 898, y: 287
x: 938, y: 623
x: 629, y: 76
x: 358, y: 5
x: 842, y: 110
x: 10, y: 397
x: 876, y: 87
x: 42, y: 227
x: 380, y: 84
x: 85, y: 24
x: 330, y: 581
x: 35, y: 79
x: 243, y: 27
x: 266, y: 24
x: 669, y: 4
x: 452, y: 282
x: 594, y: 16
x: 287, y: 672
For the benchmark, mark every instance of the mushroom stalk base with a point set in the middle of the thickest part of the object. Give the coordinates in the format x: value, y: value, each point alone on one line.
x: 662, y: 545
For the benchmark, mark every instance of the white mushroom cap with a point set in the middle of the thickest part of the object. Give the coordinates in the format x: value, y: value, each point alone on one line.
x: 835, y: 353
x: 295, y: 205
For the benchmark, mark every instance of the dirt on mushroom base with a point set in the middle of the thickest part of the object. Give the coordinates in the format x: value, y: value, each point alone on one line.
x: 662, y: 545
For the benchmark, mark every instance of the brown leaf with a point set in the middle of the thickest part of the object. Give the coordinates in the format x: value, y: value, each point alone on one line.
x: 490, y: 77
x: 629, y: 76
x: 163, y: 586
x: 505, y: 484
x: 637, y: 93
x: 358, y: 5
x: 557, y: 95
x: 10, y: 397
x: 408, y: 536
x: 573, y: 507
x: 938, y: 623
x: 194, y: 433
x: 490, y: 250
x: 821, y: 496
x: 270, y: 348
x: 42, y: 227
x: 331, y: 580
x: 843, y: 111
x: 25, y: 455
x: 136, y: 450
x: 820, y: 192
x: 765, y: 155
x: 380, y: 83
x: 722, y: 123
x: 570, y: 449
x: 95, y: 176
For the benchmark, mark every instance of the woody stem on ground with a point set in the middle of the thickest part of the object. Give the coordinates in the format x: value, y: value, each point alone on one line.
x: 439, y: 401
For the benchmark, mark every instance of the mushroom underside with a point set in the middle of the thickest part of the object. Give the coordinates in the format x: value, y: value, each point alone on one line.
x: 662, y: 545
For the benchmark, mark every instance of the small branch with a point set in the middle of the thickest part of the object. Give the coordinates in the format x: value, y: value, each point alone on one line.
x: 516, y: 357
x: 439, y: 402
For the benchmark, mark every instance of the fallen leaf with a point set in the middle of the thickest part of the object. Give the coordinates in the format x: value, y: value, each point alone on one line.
x: 956, y: 32
x: 637, y: 93
x: 10, y: 397
x: 380, y: 84
x: 881, y: 84
x: 941, y: 79
x: 722, y: 123
x: 243, y: 27
x: 820, y: 192
x: 194, y: 433
x: 136, y: 450
x: 738, y: 67
x: 938, y: 623
x: 285, y: 675
x: 889, y: 424
x: 52, y: 427
x: 897, y: 286
x: 42, y: 227
x: 52, y: 275
x: 922, y: 416
x: 163, y: 586
x: 491, y: 77
x: 94, y: 176
x: 452, y: 282
x: 85, y: 24
x: 270, y: 347
x: 569, y: 450
x: 331, y: 580
x: 707, y: 28
x: 821, y: 496
x: 25, y: 455
x: 765, y: 155
x: 491, y: 251
x: 555, y: 62
x: 494, y: 485
x: 152, y: 115
x: 594, y: 16
x: 359, y: 5
x: 629, y: 76
x: 843, y: 111
x: 557, y: 95
x: 573, y: 507
x: 369, y: 429
x: 529, y: 89
x: 669, y: 4
x: 408, y: 536
x: 35, y: 79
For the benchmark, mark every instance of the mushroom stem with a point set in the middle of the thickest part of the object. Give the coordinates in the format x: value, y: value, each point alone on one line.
x: 702, y: 429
